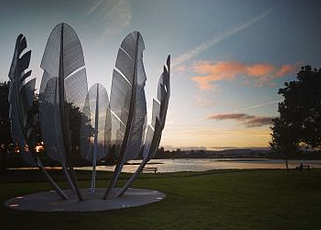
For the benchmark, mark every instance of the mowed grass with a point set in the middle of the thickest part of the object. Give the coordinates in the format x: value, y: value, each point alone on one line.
x: 232, y: 199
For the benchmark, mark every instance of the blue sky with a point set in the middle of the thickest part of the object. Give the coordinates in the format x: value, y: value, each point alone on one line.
x: 229, y: 58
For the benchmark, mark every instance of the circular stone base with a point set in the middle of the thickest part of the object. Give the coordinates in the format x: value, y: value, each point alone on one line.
x: 51, y: 202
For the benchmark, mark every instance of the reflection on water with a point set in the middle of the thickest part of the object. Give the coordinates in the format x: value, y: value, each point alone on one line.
x: 176, y: 165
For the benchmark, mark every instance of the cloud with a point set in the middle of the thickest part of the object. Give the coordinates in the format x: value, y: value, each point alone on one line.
x: 245, y: 119
x: 215, y: 72
x: 215, y: 40
x: 259, y: 70
x: 260, y: 74
x: 286, y: 69
x: 115, y: 13
x: 230, y: 116
x: 259, y: 121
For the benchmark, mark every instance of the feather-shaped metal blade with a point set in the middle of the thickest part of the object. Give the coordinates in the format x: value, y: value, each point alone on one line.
x: 127, y: 74
x: 95, y: 128
x: 23, y: 109
x: 127, y: 85
x: 154, y: 131
x: 159, y: 113
x: 138, y: 126
x: 21, y: 96
x: 65, y: 76
x: 63, y: 88
x: 95, y: 124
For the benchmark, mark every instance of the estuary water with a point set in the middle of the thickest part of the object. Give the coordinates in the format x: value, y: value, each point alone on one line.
x: 190, y: 164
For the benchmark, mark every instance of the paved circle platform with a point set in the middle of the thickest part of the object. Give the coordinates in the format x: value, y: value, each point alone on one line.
x: 51, y: 202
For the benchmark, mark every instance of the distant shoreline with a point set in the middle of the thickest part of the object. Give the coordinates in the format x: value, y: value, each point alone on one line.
x: 235, y: 153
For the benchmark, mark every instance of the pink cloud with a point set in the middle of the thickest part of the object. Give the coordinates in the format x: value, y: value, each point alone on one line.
x: 246, y: 119
x: 259, y: 74
x: 204, y: 82
x: 259, y: 70
x: 230, y: 116
x: 259, y: 121
x: 286, y: 69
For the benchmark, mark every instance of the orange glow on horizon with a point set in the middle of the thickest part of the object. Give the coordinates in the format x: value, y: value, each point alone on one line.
x: 203, y: 137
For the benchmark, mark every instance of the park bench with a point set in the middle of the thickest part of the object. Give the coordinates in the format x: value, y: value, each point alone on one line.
x: 150, y: 169
x: 302, y: 167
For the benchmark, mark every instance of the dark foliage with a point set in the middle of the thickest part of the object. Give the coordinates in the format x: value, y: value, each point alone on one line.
x: 5, y: 126
x: 6, y: 143
x: 299, y: 123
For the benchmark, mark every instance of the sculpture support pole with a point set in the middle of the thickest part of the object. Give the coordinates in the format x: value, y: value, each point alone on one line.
x: 51, y: 181
x: 133, y: 178
x: 154, y: 145
x: 71, y: 185
x: 93, y: 176
x: 63, y: 165
x: 118, y: 173
x: 63, y: 117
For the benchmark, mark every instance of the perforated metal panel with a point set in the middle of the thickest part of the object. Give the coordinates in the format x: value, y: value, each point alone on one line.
x: 129, y: 64
x: 62, y: 92
x: 21, y: 94
x: 96, y: 124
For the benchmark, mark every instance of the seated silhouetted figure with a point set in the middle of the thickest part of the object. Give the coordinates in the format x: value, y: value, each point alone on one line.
x: 301, y: 167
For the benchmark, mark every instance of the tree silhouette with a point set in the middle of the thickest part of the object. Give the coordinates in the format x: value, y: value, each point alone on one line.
x: 5, y: 125
x: 284, y: 138
x: 309, y: 90
x: 74, y: 118
x: 300, y: 114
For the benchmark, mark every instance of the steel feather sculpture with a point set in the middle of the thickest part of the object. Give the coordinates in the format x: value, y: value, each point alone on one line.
x: 154, y: 131
x: 127, y: 101
x: 22, y: 109
x: 106, y: 127
x: 63, y: 86
x: 95, y: 145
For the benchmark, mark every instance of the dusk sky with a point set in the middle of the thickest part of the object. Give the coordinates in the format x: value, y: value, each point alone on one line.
x: 229, y: 58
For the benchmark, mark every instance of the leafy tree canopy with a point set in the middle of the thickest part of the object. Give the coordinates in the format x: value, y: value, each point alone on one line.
x: 299, y: 122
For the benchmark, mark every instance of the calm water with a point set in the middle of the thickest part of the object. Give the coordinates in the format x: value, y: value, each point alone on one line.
x: 176, y: 165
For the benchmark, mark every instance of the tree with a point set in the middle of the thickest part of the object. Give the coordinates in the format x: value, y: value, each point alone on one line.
x: 299, y: 122
x: 309, y: 91
x: 284, y: 138
x: 5, y: 125
x: 74, y: 117
x: 6, y: 142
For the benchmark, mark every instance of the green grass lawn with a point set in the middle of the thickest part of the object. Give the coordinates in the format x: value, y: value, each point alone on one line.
x: 244, y: 199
